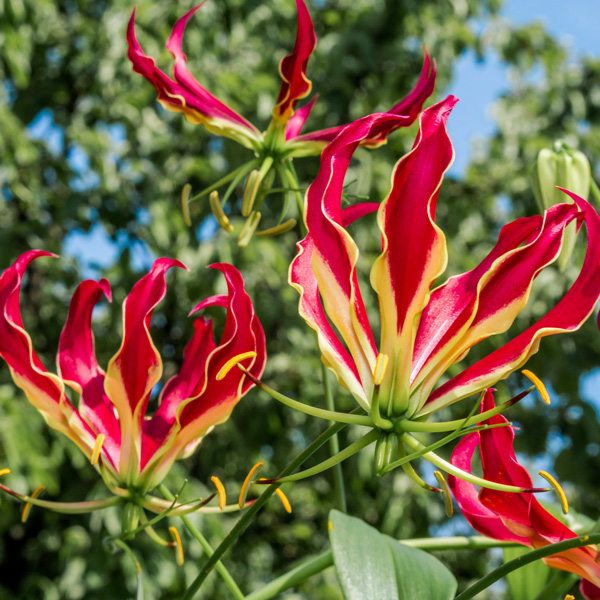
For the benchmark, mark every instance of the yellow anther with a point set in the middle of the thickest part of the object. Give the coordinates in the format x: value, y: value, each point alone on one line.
x: 234, y: 361
x: 249, y: 479
x: 445, y: 492
x: 4, y: 472
x: 25, y: 514
x: 569, y: 597
x: 282, y: 497
x: 380, y: 368
x: 250, y: 192
x: 541, y: 388
x: 248, y: 229
x: 221, y: 491
x: 330, y: 525
x: 185, y: 207
x: 97, y: 448
x: 217, y: 211
x: 561, y: 494
x: 177, y: 543
x: 279, y: 229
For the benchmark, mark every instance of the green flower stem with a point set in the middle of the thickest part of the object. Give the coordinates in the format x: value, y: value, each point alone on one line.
x: 416, y: 426
x: 232, y: 175
x: 68, y: 508
x: 313, y: 411
x: 220, y: 567
x: 292, y: 179
x: 323, y: 561
x: 595, y: 190
x: 452, y: 470
x: 334, y: 445
x: 244, y: 521
x: 347, y: 452
x: 525, y: 559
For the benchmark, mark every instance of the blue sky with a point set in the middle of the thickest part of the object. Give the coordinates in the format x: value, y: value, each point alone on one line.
x: 478, y: 84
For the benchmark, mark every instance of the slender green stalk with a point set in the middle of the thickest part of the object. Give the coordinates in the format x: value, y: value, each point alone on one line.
x: 595, y: 190
x: 449, y: 468
x: 245, y: 167
x: 323, y: 561
x: 416, y: 426
x: 313, y: 411
x: 221, y: 569
x: 347, y: 452
x: 244, y: 521
x: 525, y: 559
x: 334, y: 445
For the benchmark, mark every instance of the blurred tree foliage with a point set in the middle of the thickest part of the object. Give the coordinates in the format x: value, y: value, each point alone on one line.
x: 84, y: 145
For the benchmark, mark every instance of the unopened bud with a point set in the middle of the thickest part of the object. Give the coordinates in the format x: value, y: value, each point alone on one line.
x: 567, y: 168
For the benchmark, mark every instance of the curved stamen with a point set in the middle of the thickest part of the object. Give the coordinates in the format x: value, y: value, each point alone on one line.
x: 220, y: 490
x: 541, y: 388
x: 445, y: 492
x: 284, y: 499
x: 97, y: 448
x: 380, y: 368
x: 177, y: 543
x: 27, y: 508
x: 4, y: 472
x: 217, y: 211
x: 558, y: 489
x: 185, y: 204
x: 254, y: 471
x: 234, y: 361
x: 278, y: 229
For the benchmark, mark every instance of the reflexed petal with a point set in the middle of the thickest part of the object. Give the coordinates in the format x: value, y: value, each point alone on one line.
x: 518, y: 515
x: 408, y: 109
x: 334, y: 252
x: 568, y: 315
x: 414, y: 248
x: 210, y: 401
x: 298, y: 119
x: 78, y: 367
x: 303, y: 279
x: 44, y: 390
x: 185, y: 94
x: 292, y: 68
x: 486, y: 300
x: 137, y: 367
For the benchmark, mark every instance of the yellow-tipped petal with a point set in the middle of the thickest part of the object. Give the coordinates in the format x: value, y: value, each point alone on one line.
x: 97, y: 448
x: 541, y: 388
x: 445, y: 492
x: 278, y: 230
x: 185, y: 207
x: 232, y: 362
x: 217, y: 211
x: 25, y: 514
x: 4, y: 472
x: 380, y: 368
x: 561, y: 494
x: 220, y: 490
x: 177, y: 543
x: 249, y: 479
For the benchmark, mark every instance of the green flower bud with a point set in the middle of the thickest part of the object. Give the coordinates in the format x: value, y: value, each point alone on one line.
x: 568, y: 168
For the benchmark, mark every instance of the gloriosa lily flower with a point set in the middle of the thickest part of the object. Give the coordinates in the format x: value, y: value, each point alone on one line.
x: 282, y: 141
x: 133, y: 451
x: 425, y: 331
x: 515, y: 517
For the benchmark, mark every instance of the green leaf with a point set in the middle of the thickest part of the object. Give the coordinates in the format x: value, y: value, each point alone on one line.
x: 528, y: 581
x: 372, y: 565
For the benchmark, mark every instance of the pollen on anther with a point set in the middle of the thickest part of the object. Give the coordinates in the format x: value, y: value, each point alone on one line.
x: 380, y: 368
x: 97, y: 448
x: 4, y: 472
x: 25, y: 514
x: 234, y: 361
x: 569, y: 597
x: 221, y: 491
x: 178, y: 547
x: 445, y: 493
x: 541, y: 388
x: 249, y: 479
x: 561, y: 494
x: 281, y: 495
